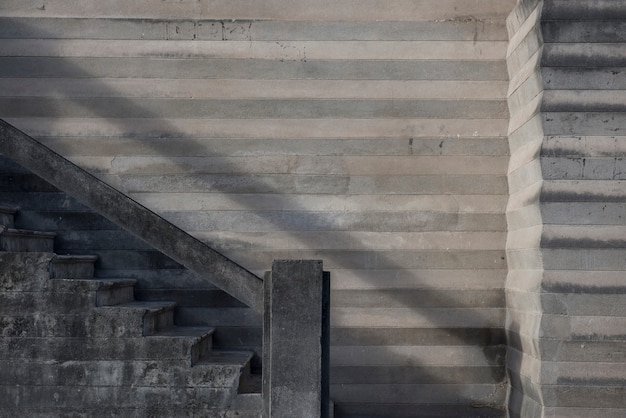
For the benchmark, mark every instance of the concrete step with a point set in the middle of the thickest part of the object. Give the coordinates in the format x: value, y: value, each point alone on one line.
x: 67, y: 296
x: 134, y: 319
x: 157, y: 316
x: 18, y: 240
x: 73, y: 267
x: 240, y: 362
x: 201, y: 338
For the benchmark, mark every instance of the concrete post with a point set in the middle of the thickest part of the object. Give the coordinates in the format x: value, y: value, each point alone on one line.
x: 296, y: 340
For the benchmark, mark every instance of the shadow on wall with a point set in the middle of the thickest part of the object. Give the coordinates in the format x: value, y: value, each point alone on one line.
x: 173, y: 152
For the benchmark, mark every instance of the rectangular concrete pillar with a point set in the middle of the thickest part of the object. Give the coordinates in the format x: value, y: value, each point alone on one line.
x: 296, y: 340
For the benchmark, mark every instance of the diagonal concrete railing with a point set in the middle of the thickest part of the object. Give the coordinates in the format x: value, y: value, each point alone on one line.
x: 295, y: 296
x: 131, y: 216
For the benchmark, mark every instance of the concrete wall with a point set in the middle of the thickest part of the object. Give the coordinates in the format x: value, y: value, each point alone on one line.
x: 565, y: 293
x: 371, y: 137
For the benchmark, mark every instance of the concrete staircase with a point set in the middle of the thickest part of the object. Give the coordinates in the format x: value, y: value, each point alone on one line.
x: 566, y: 291
x: 78, y: 345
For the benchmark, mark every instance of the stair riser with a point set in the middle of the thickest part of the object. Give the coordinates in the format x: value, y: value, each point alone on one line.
x: 163, y: 373
x: 158, y: 321
x: 202, y: 348
x: 17, y: 243
x: 72, y: 269
x: 115, y: 295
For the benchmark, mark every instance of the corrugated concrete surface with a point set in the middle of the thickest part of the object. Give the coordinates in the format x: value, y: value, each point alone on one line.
x: 565, y: 288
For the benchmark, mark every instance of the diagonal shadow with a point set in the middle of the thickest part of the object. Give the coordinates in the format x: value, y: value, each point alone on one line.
x: 486, y: 334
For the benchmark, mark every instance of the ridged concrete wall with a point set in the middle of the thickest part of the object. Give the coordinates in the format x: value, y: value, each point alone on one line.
x: 370, y: 135
x: 565, y: 287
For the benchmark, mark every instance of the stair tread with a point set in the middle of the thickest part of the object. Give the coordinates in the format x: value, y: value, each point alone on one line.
x: 226, y: 357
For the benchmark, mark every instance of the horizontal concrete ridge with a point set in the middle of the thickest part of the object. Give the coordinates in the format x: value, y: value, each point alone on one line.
x: 342, y: 10
x: 576, y: 168
x: 192, y: 129
x: 602, y: 31
x: 253, y: 89
x: 95, y: 67
x: 583, y: 55
x: 583, y: 101
x: 257, y: 30
x: 607, y: 79
x: 583, y: 191
x: 267, y: 50
x: 254, y: 109
x: 583, y: 146
x: 582, y: 9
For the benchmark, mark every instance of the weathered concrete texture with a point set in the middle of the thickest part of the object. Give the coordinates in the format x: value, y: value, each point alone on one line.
x: 372, y: 137
x: 69, y: 340
x: 564, y: 289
